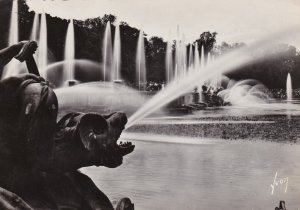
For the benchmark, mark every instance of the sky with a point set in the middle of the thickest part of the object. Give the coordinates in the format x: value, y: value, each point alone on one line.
x: 233, y: 20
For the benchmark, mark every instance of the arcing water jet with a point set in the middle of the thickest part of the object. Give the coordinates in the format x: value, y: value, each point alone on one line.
x: 223, y: 64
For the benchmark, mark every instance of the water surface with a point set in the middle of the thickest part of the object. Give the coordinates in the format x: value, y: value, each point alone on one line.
x: 209, y: 175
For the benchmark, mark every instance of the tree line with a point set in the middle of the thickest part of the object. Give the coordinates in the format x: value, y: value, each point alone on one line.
x: 89, y: 36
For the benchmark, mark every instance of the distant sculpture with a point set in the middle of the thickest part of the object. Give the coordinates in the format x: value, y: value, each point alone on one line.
x: 39, y: 157
x: 281, y: 206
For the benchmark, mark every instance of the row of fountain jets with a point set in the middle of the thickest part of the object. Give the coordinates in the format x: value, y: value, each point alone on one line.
x: 111, y: 61
x: 176, y: 66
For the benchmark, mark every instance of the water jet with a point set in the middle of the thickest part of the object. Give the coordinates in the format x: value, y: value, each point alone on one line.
x: 141, y: 62
x: 107, y: 53
x: 69, y: 52
x: 289, y: 88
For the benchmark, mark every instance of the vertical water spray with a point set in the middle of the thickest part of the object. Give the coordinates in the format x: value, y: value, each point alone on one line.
x: 289, y: 88
x: 177, y: 58
x: 202, y: 57
x: 42, y: 54
x: 196, y: 58
x: 14, y: 27
x: 69, y: 52
x: 191, y: 59
x: 141, y: 62
x: 197, y: 67
x: 177, y: 54
x: 183, y: 56
x: 107, y: 53
x: 169, y: 63
x: 208, y: 60
x: 217, y: 79
x: 219, y: 75
x: 35, y: 27
x: 35, y: 30
x: 209, y: 82
x: 116, y: 73
x: 181, y: 62
x: 13, y: 38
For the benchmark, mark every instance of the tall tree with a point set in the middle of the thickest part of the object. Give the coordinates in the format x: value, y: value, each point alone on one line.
x: 207, y: 40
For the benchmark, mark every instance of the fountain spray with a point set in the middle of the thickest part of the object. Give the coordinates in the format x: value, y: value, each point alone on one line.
x: 289, y: 89
x: 70, y: 52
x: 116, y: 75
x: 107, y: 52
x: 42, y: 53
x: 224, y: 64
x: 13, y: 38
x: 141, y: 62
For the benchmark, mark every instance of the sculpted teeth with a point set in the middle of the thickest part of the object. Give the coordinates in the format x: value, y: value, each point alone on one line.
x: 125, y: 143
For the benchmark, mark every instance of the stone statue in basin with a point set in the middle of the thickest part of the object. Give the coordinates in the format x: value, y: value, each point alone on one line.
x: 40, y: 157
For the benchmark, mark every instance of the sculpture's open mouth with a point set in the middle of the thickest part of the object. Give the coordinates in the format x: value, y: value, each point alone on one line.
x: 125, y: 148
x: 112, y: 156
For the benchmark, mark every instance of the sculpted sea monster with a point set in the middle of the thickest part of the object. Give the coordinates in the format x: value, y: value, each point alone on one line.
x: 40, y: 157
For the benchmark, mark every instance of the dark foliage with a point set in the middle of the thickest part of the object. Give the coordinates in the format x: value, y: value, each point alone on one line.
x: 271, y: 71
x: 89, y: 35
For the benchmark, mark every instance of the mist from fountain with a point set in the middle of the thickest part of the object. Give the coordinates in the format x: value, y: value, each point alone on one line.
x: 208, y: 59
x: 107, y: 53
x: 69, y: 52
x: 116, y: 73
x: 209, y: 83
x: 42, y: 52
x: 86, y: 71
x: 289, y: 88
x: 245, y: 92
x: 100, y: 97
x: 226, y: 63
x: 11, y: 68
x: 217, y: 80
x: 141, y: 62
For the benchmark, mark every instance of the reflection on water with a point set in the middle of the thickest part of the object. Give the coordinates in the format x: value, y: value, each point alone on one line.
x: 215, y: 175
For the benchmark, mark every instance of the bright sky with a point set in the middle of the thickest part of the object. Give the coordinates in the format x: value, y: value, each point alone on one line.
x: 233, y: 20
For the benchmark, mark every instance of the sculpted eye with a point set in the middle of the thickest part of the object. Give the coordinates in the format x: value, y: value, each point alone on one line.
x: 53, y: 107
x: 92, y: 135
x: 28, y: 108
